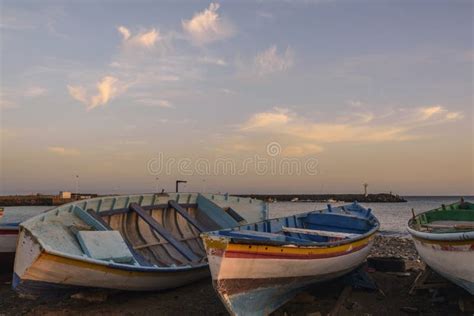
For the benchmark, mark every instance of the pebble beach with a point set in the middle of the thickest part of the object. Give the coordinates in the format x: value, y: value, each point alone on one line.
x: 391, y: 298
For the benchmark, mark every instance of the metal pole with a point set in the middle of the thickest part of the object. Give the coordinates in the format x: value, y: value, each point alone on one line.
x: 177, y: 184
x: 77, y: 186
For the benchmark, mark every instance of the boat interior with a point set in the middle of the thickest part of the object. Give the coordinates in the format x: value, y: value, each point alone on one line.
x: 457, y: 217
x: 161, y: 233
x: 334, y: 224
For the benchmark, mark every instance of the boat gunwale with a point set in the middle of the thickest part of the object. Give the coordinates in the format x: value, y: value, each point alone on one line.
x: 10, y: 227
x: 439, y: 236
x: 114, y: 265
x: 309, y: 244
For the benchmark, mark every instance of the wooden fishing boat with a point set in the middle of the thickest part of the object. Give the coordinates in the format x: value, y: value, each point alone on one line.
x: 136, y: 242
x: 258, y: 267
x: 9, y: 228
x: 8, y: 237
x: 444, y: 239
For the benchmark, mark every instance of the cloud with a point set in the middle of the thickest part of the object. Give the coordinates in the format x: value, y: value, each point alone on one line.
x: 269, y: 61
x: 6, y: 102
x: 155, y: 103
x: 35, y: 91
x: 273, y: 119
x: 438, y: 113
x: 125, y: 32
x: 302, y: 150
x: 306, y: 135
x: 145, y: 38
x: 107, y: 89
x: 63, y: 151
x: 428, y: 112
x: 212, y: 61
x: 207, y: 26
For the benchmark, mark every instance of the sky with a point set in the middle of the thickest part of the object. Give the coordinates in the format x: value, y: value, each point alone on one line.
x: 240, y: 97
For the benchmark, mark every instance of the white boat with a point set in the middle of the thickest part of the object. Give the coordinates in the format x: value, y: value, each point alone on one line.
x: 258, y: 267
x: 8, y: 235
x: 9, y: 227
x: 136, y: 242
x: 444, y: 239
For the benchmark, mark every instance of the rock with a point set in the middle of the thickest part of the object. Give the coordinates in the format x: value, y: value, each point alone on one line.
x: 409, y: 310
x: 314, y: 314
x: 400, y: 274
x: 27, y: 296
x: 304, y: 298
x: 387, y: 264
x: 466, y: 304
x: 92, y: 297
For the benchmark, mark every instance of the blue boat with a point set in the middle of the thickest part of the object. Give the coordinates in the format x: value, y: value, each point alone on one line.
x: 258, y: 267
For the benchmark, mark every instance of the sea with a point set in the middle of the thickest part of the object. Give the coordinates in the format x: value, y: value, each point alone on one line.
x: 393, y: 217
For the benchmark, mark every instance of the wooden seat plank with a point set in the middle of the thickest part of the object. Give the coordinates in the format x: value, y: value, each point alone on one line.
x: 186, y: 252
x: 186, y: 215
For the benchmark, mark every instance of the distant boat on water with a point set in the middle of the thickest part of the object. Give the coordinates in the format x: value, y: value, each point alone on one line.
x: 9, y: 232
x: 258, y: 267
x: 135, y: 242
x: 444, y: 239
x: 8, y: 237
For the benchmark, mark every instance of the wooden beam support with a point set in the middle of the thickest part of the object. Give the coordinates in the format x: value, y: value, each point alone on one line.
x: 318, y: 232
x: 186, y: 215
x: 186, y: 252
x: 146, y: 208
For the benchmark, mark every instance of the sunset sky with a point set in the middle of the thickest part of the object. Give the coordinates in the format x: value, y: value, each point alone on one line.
x: 365, y: 91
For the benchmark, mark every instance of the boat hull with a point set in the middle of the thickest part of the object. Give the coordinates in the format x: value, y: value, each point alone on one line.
x: 453, y: 259
x: 156, y: 237
x: 8, y: 238
x: 256, y: 280
x: 39, y: 273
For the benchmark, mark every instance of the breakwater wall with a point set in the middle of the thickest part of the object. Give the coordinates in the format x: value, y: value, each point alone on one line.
x: 369, y: 198
x: 32, y: 200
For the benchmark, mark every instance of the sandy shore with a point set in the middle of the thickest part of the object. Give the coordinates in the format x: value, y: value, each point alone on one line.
x: 200, y: 299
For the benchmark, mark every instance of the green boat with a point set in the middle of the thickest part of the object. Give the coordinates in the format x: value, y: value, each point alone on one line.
x: 444, y: 238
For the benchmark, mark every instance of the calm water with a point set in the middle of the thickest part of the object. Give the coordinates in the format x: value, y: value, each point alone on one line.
x: 392, y: 216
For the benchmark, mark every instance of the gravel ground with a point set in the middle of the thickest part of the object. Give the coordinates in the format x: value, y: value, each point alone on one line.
x: 200, y: 299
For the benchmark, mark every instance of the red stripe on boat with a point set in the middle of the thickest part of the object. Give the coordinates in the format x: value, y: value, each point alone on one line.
x: 8, y: 231
x: 261, y: 255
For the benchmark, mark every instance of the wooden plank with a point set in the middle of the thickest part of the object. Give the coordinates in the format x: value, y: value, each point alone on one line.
x: 341, y: 300
x: 186, y: 252
x: 318, y: 232
x: 453, y: 226
x: 186, y: 215
x: 235, y: 215
x: 161, y: 243
x: 94, y: 214
x: 138, y: 257
x: 423, y: 281
x: 146, y: 208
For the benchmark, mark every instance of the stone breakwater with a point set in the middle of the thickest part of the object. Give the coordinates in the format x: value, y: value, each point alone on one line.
x: 370, y: 198
x: 32, y: 200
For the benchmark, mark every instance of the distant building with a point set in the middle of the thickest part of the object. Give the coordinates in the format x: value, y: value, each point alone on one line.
x: 83, y: 196
x: 64, y: 195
